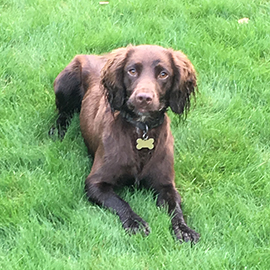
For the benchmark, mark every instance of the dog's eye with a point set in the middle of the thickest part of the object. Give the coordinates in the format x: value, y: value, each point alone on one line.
x: 133, y: 72
x: 163, y: 75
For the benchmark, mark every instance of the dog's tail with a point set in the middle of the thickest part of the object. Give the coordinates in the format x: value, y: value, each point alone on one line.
x: 70, y: 87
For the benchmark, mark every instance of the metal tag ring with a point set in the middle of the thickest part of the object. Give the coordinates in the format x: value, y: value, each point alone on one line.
x: 145, y: 136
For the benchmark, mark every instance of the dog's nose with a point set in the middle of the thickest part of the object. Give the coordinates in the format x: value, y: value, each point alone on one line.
x: 144, y: 98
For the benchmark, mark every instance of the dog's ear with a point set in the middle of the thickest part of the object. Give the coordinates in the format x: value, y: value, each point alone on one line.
x: 184, y: 83
x: 112, y: 78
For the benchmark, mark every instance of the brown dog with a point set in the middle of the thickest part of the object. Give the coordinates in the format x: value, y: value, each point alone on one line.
x: 123, y: 97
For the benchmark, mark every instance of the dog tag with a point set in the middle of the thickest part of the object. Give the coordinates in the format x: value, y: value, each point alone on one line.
x: 149, y: 143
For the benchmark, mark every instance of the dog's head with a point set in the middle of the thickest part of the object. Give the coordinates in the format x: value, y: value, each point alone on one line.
x: 146, y: 79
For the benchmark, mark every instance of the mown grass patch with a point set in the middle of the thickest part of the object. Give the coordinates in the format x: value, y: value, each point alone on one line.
x: 221, y: 150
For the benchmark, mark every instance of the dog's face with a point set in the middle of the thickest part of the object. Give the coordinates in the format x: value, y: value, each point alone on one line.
x: 148, y: 79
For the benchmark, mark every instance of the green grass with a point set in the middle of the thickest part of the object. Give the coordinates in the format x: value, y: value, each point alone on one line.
x: 222, y: 151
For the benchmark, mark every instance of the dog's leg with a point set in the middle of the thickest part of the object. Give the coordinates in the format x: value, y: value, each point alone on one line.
x: 70, y: 87
x: 169, y: 197
x: 101, y: 192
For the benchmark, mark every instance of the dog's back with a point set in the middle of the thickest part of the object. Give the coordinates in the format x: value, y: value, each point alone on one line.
x: 70, y: 86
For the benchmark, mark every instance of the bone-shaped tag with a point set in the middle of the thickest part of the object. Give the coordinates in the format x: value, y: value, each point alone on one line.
x: 145, y: 144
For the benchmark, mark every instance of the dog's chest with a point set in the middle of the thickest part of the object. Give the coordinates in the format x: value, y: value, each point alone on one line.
x: 143, y: 148
x: 143, y: 156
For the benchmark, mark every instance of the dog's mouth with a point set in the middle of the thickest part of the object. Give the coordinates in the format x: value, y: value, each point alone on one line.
x: 145, y: 115
x: 151, y: 118
x: 144, y: 111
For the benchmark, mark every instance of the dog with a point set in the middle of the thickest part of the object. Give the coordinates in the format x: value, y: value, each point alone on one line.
x: 123, y: 98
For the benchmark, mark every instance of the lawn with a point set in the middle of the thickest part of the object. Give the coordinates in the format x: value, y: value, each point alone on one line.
x: 222, y: 149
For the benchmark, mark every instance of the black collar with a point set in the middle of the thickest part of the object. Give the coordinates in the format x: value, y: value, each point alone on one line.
x: 154, y: 119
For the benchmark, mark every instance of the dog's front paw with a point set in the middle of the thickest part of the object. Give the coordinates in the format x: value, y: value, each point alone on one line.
x: 184, y: 234
x: 134, y: 224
